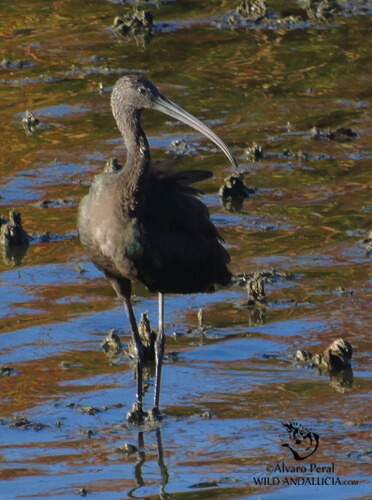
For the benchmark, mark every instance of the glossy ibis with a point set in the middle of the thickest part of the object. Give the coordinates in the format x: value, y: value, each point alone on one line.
x: 145, y: 222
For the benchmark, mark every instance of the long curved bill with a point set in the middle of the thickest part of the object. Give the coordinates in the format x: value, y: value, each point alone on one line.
x: 170, y: 108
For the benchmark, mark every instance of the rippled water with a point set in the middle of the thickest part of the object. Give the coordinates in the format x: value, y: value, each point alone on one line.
x: 226, y: 394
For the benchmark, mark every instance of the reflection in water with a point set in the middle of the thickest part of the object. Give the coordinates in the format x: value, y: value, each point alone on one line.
x: 257, y: 315
x: 341, y: 379
x: 164, y: 474
x: 14, y: 255
x: 14, y: 240
x: 233, y: 192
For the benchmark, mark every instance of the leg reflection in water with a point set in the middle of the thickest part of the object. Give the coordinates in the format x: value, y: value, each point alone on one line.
x: 141, y: 459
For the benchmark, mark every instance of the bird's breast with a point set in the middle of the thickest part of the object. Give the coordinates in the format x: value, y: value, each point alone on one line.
x: 109, y: 233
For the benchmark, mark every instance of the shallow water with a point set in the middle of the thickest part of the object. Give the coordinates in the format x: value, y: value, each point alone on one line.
x: 225, y: 396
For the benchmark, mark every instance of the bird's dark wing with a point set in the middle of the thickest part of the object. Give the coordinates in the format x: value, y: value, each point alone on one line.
x: 182, y: 248
x: 164, y: 171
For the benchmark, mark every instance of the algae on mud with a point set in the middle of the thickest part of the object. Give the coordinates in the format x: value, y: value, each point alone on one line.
x: 269, y: 85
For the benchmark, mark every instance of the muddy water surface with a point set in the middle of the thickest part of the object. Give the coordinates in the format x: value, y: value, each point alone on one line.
x: 227, y: 394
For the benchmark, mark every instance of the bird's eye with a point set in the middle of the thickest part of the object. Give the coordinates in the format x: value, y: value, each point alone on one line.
x: 142, y: 90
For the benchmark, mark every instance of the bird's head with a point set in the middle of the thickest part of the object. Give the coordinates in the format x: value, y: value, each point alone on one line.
x: 132, y: 93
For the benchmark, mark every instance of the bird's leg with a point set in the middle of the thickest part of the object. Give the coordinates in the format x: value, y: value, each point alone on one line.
x: 137, y: 414
x: 159, y: 353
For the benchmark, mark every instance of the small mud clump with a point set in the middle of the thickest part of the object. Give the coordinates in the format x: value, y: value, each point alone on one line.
x: 89, y: 410
x: 255, y: 13
x: 137, y: 416
x: 64, y: 365
x: 14, y: 240
x: 255, y: 284
x: 201, y: 320
x: 59, y: 203
x: 6, y: 371
x: 337, y: 356
x: 321, y: 10
x: 180, y: 147
x: 201, y: 331
x: 254, y: 153
x: 20, y: 422
x: 112, y: 345
x: 136, y: 23
x: 148, y: 337
x: 233, y: 191
x: 254, y: 10
x: 30, y: 122
x: 335, y: 362
x: 368, y: 242
x: 255, y: 287
x: 12, y: 233
x: 207, y: 415
x: 154, y: 416
x: 343, y: 291
x: 127, y: 449
x: 342, y: 134
x: 298, y: 155
x: 17, y: 64
x: 248, y: 12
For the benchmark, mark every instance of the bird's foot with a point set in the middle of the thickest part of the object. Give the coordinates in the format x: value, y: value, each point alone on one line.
x: 137, y: 415
x: 154, y: 415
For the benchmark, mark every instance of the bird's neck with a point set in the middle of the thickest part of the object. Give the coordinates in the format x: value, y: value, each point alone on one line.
x: 138, y: 155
